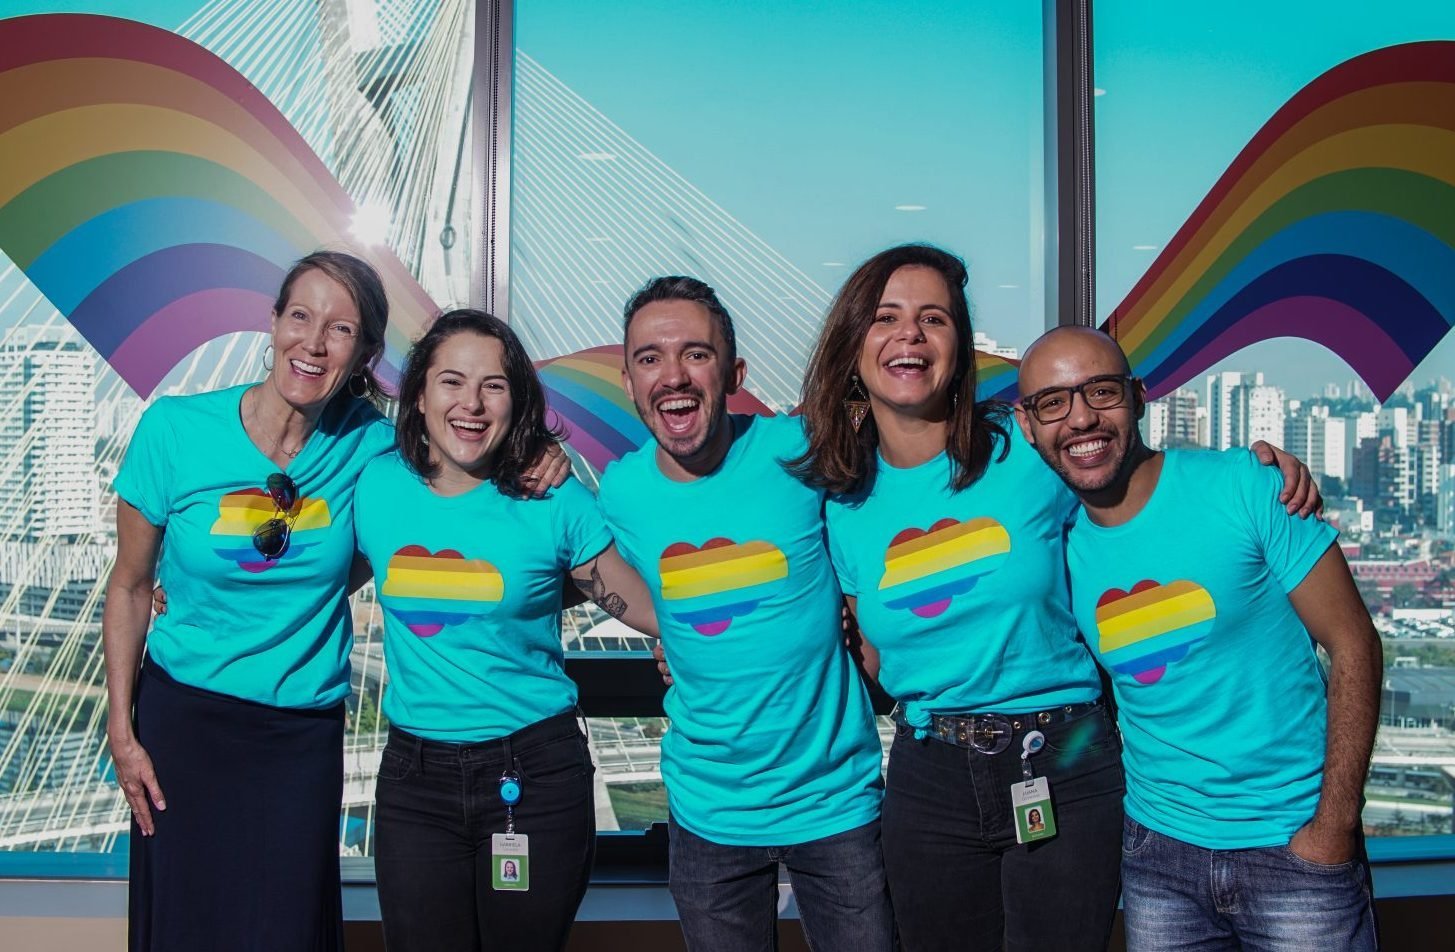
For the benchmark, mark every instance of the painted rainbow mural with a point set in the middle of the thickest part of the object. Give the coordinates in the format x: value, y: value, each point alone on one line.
x: 1336, y: 224
x: 156, y: 197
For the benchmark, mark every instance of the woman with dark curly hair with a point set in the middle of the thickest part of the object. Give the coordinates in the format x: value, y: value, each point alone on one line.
x: 486, y: 821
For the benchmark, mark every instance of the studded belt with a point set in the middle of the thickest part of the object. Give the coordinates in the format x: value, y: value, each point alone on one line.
x: 993, y: 733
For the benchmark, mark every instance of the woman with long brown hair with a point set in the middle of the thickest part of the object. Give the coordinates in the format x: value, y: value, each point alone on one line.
x: 948, y: 538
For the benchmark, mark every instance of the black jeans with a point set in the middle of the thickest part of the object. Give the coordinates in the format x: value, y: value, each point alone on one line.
x: 439, y: 804
x: 957, y: 877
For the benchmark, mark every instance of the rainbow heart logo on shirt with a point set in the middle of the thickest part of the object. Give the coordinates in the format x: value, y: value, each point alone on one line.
x: 241, y: 512
x: 708, y: 587
x: 429, y: 590
x: 1143, y: 631
x: 925, y: 570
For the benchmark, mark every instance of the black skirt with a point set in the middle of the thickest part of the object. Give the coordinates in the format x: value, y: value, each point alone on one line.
x: 246, y: 856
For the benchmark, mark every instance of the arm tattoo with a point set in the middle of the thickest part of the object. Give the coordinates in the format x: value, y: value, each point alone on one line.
x: 595, y: 589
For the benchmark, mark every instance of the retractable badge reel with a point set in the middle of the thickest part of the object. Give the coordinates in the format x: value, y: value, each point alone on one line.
x: 1031, y: 796
x: 510, y: 851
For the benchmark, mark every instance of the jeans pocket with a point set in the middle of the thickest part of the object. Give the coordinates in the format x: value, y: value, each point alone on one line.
x: 1309, y: 865
x: 562, y: 761
x: 1090, y: 733
x: 1135, y: 837
x: 394, y: 766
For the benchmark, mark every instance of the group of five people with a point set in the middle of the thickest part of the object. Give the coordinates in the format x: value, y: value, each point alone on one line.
x: 967, y: 563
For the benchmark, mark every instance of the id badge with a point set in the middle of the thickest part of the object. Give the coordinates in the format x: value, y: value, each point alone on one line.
x: 510, y: 861
x: 1034, y: 820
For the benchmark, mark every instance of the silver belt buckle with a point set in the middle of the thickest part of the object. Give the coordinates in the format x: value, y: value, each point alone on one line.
x: 990, y: 733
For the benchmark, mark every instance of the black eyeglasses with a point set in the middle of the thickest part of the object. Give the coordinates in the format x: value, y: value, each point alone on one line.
x: 271, y: 538
x: 1100, y: 393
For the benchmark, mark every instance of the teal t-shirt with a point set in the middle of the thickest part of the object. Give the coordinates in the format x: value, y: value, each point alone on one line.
x: 1219, y: 691
x: 274, y: 632
x: 964, y: 593
x: 469, y: 587
x: 772, y: 739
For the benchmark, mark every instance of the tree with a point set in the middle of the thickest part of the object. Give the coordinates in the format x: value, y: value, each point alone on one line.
x: 1404, y: 595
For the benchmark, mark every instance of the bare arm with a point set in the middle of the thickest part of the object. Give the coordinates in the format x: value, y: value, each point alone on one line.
x: 123, y: 633
x: 1329, y: 606
x: 1300, y: 492
x: 617, y: 589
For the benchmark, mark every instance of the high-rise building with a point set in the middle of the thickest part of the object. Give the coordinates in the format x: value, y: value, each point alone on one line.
x: 1358, y: 428
x: 1262, y: 418
x: 48, y: 485
x: 1241, y: 409
x: 1384, y: 475
x: 1318, y: 439
x: 1220, y: 411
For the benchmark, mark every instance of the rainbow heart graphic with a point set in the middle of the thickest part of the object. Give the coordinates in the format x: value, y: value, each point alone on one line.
x: 429, y: 590
x: 708, y: 587
x: 1152, y: 626
x: 925, y: 570
x: 240, y: 512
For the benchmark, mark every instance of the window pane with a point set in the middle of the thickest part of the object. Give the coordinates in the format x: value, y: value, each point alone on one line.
x: 376, y: 89
x: 767, y: 149
x: 1219, y: 234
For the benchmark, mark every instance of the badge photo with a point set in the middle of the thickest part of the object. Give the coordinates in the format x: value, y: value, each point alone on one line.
x: 510, y: 862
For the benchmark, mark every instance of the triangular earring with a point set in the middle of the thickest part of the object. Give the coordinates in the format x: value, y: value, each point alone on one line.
x: 857, y: 404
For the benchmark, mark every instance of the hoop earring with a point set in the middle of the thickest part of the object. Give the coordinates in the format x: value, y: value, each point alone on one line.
x: 268, y: 357
x: 363, y: 390
x: 856, y: 404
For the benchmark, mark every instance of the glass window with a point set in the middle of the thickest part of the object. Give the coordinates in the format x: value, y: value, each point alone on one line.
x: 376, y: 90
x: 767, y: 149
x: 1259, y: 176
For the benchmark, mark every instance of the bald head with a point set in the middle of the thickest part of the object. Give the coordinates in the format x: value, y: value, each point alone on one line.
x: 1067, y: 355
x: 1080, y: 406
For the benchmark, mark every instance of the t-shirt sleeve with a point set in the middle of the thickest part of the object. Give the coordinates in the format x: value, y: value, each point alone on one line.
x: 581, y: 532
x: 144, y: 479
x: 1291, y: 545
x: 364, y: 492
x: 837, y: 551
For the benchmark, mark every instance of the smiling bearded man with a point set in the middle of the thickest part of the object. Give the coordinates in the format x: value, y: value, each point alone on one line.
x: 1204, y: 600
x: 772, y: 755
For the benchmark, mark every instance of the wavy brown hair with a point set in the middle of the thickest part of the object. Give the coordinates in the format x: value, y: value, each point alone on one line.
x: 842, y: 461
x: 529, y: 433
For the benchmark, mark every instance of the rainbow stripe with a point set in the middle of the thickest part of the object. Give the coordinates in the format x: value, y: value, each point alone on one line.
x: 708, y: 587
x: 996, y: 377
x: 156, y: 197
x: 1336, y: 224
x: 584, y: 392
x: 428, y: 591
x: 923, y: 571
x: 1144, y: 631
x: 241, y: 512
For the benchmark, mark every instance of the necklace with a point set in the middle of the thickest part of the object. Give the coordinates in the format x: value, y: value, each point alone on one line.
x: 277, y: 441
